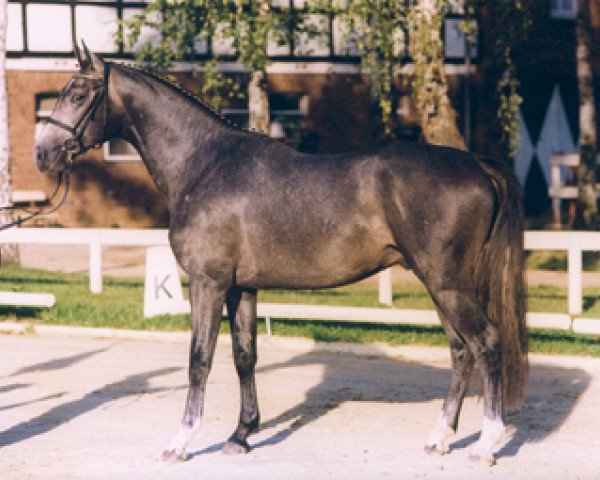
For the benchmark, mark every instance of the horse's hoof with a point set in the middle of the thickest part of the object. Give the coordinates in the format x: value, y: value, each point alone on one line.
x: 171, y: 456
x: 436, y: 450
x: 235, y: 447
x: 488, y: 461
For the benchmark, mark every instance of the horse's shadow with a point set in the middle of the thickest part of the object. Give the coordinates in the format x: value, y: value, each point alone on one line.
x: 379, y: 379
x: 65, y: 412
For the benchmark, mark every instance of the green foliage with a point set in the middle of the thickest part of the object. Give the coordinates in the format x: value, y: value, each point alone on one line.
x: 512, y: 20
x: 185, y: 25
x: 376, y: 29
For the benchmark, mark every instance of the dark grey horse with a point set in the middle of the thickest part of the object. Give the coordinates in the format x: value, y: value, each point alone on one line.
x: 248, y: 213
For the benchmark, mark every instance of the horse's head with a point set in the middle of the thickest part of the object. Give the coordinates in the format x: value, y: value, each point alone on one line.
x: 78, y: 121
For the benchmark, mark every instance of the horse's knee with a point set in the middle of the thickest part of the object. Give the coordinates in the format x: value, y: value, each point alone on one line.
x: 199, y: 368
x: 245, y: 362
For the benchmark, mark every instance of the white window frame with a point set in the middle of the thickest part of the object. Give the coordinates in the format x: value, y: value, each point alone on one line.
x: 118, y: 157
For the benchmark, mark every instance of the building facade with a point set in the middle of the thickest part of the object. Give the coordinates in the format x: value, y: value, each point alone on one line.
x: 320, y: 101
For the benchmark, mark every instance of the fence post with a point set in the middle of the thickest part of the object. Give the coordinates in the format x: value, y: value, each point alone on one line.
x: 575, y: 271
x: 385, y: 286
x: 95, y: 265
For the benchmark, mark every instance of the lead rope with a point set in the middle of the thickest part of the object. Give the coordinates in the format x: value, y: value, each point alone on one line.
x: 61, y: 177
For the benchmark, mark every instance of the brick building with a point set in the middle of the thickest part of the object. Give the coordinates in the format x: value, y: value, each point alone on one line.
x: 319, y: 101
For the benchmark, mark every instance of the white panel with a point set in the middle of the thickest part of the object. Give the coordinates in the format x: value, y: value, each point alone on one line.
x: 146, y: 35
x: 525, y: 151
x: 454, y: 39
x: 344, y: 41
x: 221, y: 43
x: 14, y: 30
x: 313, y: 46
x: 274, y: 48
x: 97, y: 26
x: 41, y: 38
x: 555, y: 136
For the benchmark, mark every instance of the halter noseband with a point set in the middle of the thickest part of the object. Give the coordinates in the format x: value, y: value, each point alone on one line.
x: 75, y: 144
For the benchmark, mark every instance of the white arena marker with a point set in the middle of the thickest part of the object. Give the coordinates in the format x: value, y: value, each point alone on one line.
x: 162, y: 287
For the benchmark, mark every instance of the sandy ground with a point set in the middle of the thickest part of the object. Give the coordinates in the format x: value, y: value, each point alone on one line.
x: 93, y: 408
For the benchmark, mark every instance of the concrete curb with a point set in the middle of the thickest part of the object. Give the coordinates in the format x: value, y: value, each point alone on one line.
x: 304, y: 345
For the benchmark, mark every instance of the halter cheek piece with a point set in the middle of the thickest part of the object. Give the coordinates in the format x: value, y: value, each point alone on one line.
x: 74, y: 144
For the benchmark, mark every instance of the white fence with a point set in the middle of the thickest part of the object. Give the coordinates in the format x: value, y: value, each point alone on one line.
x: 574, y: 243
x: 94, y: 238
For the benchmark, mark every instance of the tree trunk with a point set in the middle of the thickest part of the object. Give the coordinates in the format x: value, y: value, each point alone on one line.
x: 586, y: 203
x: 437, y: 117
x: 10, y: 253
x: 258, y: 103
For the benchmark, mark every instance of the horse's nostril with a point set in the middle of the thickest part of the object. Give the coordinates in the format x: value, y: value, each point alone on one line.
x: 41, y: 154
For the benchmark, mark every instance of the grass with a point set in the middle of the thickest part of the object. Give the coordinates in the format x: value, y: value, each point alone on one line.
x: 120, y: 306
x: 557, y: 260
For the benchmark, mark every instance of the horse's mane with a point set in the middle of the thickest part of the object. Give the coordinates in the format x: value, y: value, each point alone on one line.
x: 209, y: 110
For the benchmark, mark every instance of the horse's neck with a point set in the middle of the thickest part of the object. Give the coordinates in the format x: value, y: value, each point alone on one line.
x: 170, y: 131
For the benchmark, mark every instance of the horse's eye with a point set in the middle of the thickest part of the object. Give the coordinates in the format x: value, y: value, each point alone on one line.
x: 78, y: 97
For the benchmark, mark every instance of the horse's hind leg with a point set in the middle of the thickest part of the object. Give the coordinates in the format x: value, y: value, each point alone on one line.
x: 241, y: 305
x: 467, y: 317
x: 207, y: 300
x: 462, y: 366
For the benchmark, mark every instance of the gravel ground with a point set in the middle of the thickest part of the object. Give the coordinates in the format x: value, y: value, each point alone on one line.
x: 104, y: 408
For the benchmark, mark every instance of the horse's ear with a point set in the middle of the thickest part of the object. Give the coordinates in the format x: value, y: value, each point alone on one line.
x: 80, y: 60
x: 92, y: 61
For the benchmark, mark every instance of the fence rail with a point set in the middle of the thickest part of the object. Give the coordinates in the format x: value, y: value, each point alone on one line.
x: 574, y: 243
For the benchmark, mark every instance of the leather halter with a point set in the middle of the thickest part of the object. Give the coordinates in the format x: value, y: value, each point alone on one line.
x: 75, y: 144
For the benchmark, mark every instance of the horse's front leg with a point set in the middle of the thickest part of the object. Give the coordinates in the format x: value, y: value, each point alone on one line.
x: 241, y: 305
x: 207, y: 300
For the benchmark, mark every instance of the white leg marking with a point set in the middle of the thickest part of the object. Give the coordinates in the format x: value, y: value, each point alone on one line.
x: 438, y: 440
x: 491, y: 432
x: 182, y: 439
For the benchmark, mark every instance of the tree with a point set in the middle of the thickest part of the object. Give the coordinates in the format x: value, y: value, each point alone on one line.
x: 249, y: 26
x: 376, y: 30
x: 430, y: 87
x: 511, y: 22
x: 10, y: 252
x: 586, y: 177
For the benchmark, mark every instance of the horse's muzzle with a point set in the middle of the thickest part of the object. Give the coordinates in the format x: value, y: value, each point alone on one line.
x: 49, y: 158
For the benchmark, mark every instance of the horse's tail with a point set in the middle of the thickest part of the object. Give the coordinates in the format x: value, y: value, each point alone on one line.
x: 501, y: 276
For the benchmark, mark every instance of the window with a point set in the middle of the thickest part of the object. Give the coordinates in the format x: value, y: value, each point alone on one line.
x: 563, y: 9
x: 44, y: 104
x: 308, y: 45
x: 98, y: 25
x: 14, y: 31
x: 147, y: 34
x: 321, y: 36
x: 455, y: 40
x: 39, y: 37
x: 118, y: 150
x: 287, y: 111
